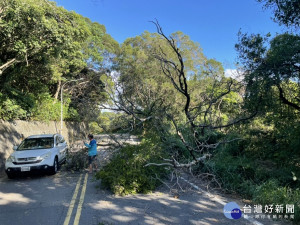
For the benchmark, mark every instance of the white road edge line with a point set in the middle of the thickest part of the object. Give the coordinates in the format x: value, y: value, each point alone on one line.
x: 216, y: 199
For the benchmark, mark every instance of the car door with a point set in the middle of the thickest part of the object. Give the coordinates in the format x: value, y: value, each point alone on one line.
x: 62, y: 147
x: 57, y: 147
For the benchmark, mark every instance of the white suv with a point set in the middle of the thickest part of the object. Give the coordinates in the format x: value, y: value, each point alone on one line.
x: 37, y: 153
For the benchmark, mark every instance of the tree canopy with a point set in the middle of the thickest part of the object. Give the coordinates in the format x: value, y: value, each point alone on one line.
x: 43, y: 45
x: 286, y: 12
x: 163, y: 88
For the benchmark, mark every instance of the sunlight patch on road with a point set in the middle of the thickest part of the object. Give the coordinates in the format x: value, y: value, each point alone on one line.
x: 196, y: 222
x: 212, y: 219
x: 51, y: 188
x: 104, y: 205
x: 166, y: 218
x: 204, y: 204
x: 131, y: 209
x: 123, y: 218
x: 164, y: 202
x: 8, y: 198
x: 151, y: 220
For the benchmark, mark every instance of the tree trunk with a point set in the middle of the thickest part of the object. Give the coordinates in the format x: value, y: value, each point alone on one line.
x: 57, y: 92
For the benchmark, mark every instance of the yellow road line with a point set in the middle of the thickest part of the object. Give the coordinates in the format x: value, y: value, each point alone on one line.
x: 72, y: 203
x: 78, y: 213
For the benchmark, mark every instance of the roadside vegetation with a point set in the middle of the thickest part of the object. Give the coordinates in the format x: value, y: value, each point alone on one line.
x: 42, y: 47
x: 126, y: 172
x: 241, y: 131
x: 76, y: 160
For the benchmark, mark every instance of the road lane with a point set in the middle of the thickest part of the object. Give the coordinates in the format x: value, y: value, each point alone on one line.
x: 72, y: 203
x: 81, y: 199
x: 159, y: 208
x: 36, y: 200
x: 101, y: 207
x: 48, y: 200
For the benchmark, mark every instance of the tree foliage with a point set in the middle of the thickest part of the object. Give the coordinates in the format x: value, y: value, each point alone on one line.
x: 269, y: 154
x: 126, y: 173
x: 271, y: 72
x: 163, y: 88
x: 42, y: 46
x: 286, y: 12
x: 167, y: 85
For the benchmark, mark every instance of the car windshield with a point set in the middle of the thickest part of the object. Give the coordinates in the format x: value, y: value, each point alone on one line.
x: 36, y: 143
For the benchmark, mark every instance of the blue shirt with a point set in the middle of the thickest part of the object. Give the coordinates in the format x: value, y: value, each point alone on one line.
x: 92, y: 147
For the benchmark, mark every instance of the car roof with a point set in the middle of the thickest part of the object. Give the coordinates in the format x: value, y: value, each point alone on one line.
x: 41, y: 136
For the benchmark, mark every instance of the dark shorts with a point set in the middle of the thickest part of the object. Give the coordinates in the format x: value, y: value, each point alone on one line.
x: 92, y: 159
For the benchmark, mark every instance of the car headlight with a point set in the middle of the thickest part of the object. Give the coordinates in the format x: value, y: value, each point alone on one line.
x: 11, y: 159
x: 45, y: 156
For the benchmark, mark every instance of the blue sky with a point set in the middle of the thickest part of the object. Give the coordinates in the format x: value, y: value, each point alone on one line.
x: 212, y: 23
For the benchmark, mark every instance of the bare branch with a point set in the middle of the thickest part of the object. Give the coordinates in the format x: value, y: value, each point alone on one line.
x: 176, y: 164
x: 284, y: 100
x: 229, y: 124
x: 179, y: 71
x: 7, y: 65
x: 159, y: 164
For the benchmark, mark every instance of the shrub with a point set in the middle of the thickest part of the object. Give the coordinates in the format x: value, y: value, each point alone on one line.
x: 45, y: 109
x: 234, y: 173
x: 9, y: 109
x: 262, y: 180
x: 76, y: 161
x: 126, y: 172
x: 271, y: 193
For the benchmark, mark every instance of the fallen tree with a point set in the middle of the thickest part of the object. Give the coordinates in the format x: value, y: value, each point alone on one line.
x: 194, y: 102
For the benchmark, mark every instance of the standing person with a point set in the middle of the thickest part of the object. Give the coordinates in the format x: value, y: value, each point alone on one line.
x: 92, y: 152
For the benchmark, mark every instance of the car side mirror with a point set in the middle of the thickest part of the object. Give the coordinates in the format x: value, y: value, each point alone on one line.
x: 59, y: 145
x: 15, y: 147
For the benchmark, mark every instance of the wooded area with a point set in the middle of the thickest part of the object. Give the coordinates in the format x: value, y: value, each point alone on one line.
x: 239, y: 134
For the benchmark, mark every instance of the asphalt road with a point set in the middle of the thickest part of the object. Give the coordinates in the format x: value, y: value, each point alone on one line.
x: 35, y: 200
x: 75, y: 198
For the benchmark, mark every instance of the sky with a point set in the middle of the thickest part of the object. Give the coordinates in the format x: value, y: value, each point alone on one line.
x: 212, y: 23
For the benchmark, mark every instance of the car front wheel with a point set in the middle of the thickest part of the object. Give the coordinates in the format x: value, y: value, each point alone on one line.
x: 11, y: 175
x: 54, y: 168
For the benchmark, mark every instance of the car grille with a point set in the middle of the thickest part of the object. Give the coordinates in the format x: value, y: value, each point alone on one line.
x: 30, y: 160
x: 26, y: 159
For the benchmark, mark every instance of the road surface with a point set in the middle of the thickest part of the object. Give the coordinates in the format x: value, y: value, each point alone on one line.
x: 75, y: 198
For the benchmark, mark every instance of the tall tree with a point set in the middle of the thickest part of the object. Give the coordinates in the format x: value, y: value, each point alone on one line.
x: 43, y: 45
x: 276, y: 66
x: 286, y: 12
x: 272, y: 69
x: 166, y: 84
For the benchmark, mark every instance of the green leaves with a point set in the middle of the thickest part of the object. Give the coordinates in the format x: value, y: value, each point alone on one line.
x: 271, y: 73
x: 286, y: 12
x: 46, y: 110
x: 9, y: 110
x: 126, y: 172
x: 42, y: 44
